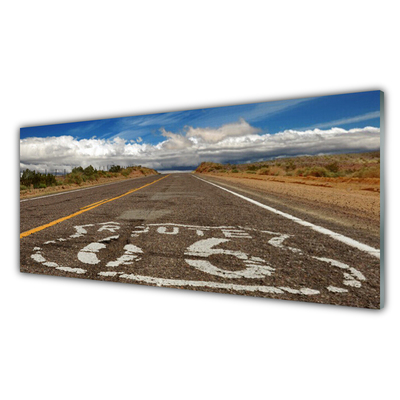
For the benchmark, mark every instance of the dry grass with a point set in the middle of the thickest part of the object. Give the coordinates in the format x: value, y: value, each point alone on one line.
x: 66, y: 184
x: 356, y: 165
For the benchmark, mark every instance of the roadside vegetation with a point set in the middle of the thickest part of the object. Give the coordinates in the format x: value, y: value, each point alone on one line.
x: 79, y: 176
x: 36, y: 180
x: 356, y: 165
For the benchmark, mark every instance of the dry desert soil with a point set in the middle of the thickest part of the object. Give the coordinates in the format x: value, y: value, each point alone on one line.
x: 350, y: 202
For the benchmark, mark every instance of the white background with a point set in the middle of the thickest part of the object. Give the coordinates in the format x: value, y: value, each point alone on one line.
x: 75, y: 339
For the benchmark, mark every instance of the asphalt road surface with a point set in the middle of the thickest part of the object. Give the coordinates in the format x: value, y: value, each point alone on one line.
x: 185, y: 231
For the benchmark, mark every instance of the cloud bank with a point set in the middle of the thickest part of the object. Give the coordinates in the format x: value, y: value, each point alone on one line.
x: 234, y: 142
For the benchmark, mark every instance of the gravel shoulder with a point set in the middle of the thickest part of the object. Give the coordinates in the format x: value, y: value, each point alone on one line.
x: 350, y: 203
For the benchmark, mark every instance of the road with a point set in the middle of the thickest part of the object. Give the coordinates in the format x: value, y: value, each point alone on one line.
x: 185, y: 231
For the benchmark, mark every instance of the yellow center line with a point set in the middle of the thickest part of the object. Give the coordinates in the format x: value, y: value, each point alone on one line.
x: 93, y: 204
x: 82, y: 210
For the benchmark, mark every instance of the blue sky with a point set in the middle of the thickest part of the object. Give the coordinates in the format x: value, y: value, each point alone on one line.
x: 240, y: 133
x: 345, y: 111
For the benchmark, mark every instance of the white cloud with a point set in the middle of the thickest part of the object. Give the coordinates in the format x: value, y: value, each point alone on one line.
x: 238, y: 142
x: 350, y: 120
x: 209, y: 135
x: 174, y: 141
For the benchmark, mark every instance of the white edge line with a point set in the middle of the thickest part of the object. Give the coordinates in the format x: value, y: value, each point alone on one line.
x: 337, y: 236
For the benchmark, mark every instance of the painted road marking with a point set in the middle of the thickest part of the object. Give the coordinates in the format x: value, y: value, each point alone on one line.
x: 341, y: 238
x: 97, y: 202
x: 88, y: 254
x: 255, y: 267
x: 57, y: 221
x: 200, y: 255
x: 216, y: 285
x: 163, y: 230
x: 74, y: 190
x: 236, y: 233
x: 37, y: 256
x: 128, y: 257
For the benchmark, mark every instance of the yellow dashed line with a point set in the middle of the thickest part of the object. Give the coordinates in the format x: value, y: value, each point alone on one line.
x: 84, y: 209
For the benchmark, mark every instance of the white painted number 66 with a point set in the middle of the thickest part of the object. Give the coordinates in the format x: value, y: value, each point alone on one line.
x: 255, y: 267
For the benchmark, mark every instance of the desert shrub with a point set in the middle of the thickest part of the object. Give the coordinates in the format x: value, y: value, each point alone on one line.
x: 263, y: 171
x: 316, y: 171
x: 49, y: 180
x: 235, y: 171
x: 22, y: 187
x: 89, y: 171
x: 367, y: 172
x: 78, y: 179
x: 252, y: 168
x: 28, y: 177
x: 42, y: 185
x: 77, y: 170
x: 290, y: 166
x: 202, y: 168
x: 333, y: 167
x: 276, y: 171
x: 125, y: 173
x: 251, y: 172
x: 34, y: 178
x: 92, y: 177
x: 74, y: 177
x: 79, y: 175
x: 115, y: 168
